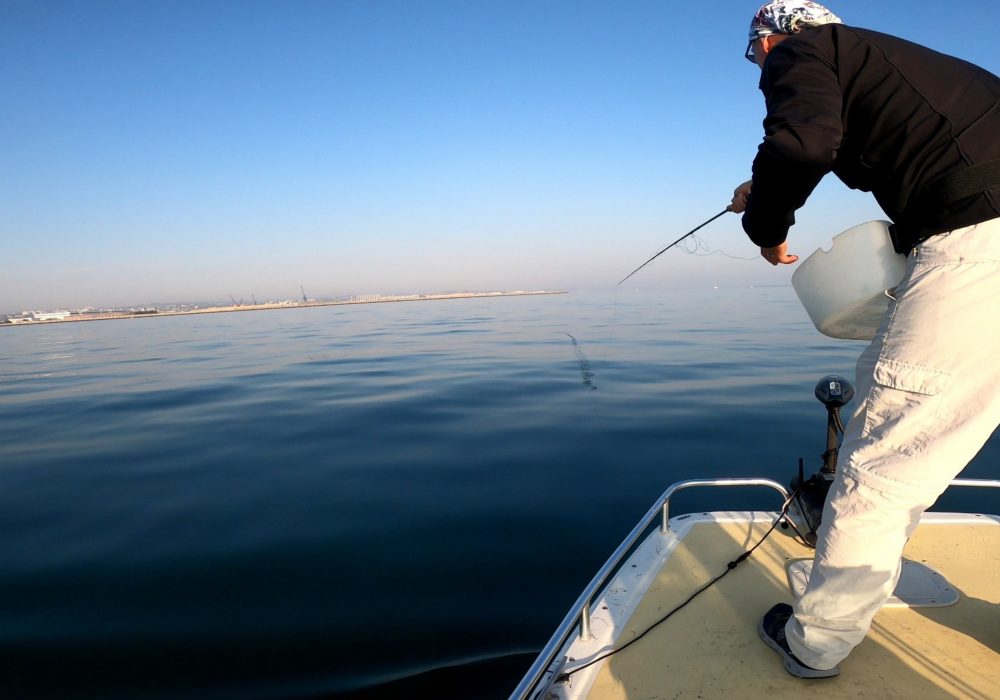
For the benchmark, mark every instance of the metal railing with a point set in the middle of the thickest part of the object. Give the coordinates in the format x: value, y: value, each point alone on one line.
x: 579, y: 613
x: 980, y: 483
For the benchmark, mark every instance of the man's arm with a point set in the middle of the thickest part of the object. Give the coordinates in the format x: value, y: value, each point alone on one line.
x: 802, y: 132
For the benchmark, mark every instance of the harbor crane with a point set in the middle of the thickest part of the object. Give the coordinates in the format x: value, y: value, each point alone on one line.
x: 304, y: 298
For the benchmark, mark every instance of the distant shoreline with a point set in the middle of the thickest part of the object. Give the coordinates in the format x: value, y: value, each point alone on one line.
x: 271, y: 306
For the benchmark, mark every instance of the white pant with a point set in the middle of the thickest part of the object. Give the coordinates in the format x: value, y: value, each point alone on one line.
x: 928, y: 398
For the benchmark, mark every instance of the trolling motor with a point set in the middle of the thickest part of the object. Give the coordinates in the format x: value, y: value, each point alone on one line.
x: 806, y: 508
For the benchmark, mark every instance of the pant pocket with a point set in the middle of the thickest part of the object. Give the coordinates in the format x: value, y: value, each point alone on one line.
x: 903, y: 405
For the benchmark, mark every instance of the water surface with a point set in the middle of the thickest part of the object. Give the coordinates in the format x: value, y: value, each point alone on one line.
x: 308, y: 502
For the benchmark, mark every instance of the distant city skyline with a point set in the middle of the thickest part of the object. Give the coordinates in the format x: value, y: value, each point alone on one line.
x: 243, y: 301
x: 183, y: 309
x: 193, y: 151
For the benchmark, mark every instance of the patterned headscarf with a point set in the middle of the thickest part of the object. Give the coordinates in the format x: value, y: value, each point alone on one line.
x: 789, y: 17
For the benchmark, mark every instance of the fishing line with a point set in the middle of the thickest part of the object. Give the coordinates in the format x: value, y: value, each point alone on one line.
x: 585, y: 372
x: 614, y: 316
x: 664, y: 250
x: 564, y: 676
x: 697, y: 246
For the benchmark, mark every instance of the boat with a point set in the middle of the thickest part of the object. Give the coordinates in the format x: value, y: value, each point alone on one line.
x: 673, y: 613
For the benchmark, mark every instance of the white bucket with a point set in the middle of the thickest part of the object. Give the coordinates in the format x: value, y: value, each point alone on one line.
x: 844, y: 289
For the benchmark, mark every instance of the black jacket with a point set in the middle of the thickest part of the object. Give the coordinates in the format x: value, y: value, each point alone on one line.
x: 886, y: 116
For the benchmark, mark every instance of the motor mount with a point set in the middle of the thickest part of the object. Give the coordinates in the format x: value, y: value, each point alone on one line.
x: 806, y: 509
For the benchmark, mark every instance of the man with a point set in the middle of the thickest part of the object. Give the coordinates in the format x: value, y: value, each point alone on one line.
x: 921, y: 131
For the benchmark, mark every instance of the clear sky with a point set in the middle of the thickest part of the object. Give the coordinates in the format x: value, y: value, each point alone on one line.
x: 162, y: 151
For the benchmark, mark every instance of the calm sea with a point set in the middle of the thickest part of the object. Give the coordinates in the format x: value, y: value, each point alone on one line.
x: 374, y: 499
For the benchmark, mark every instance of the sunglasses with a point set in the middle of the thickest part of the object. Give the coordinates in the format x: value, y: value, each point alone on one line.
x: 749, y: 52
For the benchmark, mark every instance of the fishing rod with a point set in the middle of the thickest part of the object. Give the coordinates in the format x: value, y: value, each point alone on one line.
x: 674, y: 243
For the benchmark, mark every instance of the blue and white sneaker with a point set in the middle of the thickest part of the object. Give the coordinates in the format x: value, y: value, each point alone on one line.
x: 772, y: 631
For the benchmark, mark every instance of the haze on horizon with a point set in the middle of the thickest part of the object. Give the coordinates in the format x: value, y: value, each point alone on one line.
x: 190, y: 151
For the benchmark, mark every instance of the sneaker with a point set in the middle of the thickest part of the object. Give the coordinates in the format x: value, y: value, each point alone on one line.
x: 772, y: 631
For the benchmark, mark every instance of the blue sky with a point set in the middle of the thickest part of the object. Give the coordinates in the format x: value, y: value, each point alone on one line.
x: 158, y: 151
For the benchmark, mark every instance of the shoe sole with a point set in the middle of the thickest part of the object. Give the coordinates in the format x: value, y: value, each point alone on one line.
x: 791, y: 665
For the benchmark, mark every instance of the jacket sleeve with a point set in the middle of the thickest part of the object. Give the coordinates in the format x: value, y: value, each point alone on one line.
x: 802, y: 132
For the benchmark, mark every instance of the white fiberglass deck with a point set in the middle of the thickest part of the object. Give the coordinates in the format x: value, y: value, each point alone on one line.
x: 710, y: 649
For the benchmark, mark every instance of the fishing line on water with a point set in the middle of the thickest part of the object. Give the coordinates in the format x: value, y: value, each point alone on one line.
x: 586, y: 373
x: 689, y: 244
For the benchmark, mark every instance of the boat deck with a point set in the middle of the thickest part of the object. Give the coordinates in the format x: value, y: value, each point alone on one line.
x: 710, y: 649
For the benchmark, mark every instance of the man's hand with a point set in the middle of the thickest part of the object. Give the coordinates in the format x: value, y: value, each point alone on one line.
x: 740, y: 196
x: 778, y: 255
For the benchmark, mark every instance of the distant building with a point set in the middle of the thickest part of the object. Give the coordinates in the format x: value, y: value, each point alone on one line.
x: 50, y: 315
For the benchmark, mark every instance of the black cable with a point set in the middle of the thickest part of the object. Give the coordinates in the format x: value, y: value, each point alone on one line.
x: 564, y: 676
x: 840, y: 423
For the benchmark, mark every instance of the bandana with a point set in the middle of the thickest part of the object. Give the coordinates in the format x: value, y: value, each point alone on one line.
x: 789, y: 17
